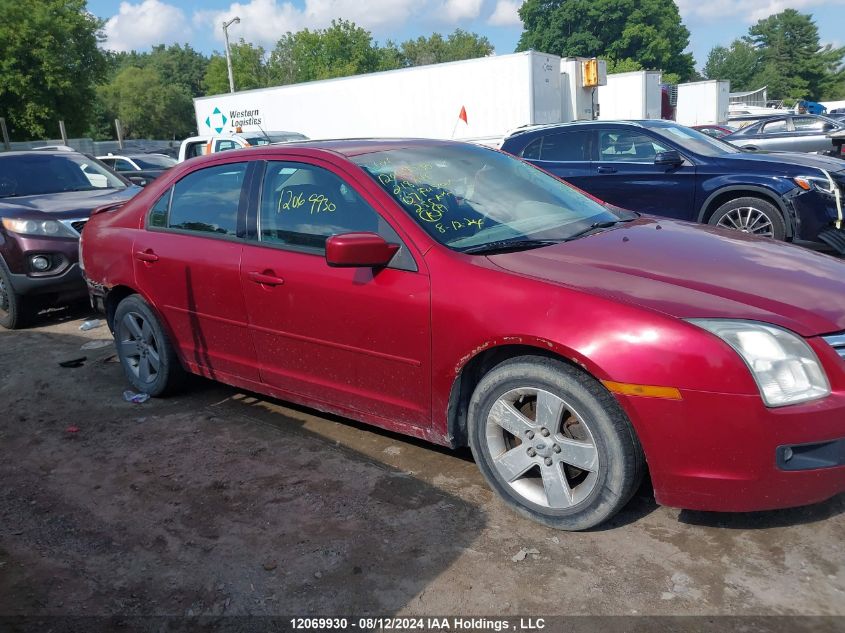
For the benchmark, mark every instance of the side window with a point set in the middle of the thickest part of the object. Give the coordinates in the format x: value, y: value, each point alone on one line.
x: 302, y: 205
x: 628, y: 147
x: 807, y: 124
x: 194, y: 149
x: 109, y: 162
x: 158, y: 214
x: 123, y: 165
x: 566, y: 147
x: 774, y: 127
x: 532, y: 151
x: 206, y: 201
x: 225, y: 145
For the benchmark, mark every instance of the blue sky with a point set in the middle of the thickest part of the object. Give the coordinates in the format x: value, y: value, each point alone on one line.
x: 138, y: 24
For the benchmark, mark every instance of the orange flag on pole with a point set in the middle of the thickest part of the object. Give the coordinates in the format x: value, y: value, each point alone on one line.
x: 463, y: 115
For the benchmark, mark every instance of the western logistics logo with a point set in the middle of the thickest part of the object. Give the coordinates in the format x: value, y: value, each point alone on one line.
x: 217, y: 120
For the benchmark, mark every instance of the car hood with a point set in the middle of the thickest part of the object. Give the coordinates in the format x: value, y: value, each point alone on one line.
x: 787, y: 159
x: 69, y: 204
x: 693, y: 271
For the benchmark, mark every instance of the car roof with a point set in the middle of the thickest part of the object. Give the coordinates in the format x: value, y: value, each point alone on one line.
x: 357, y: 146
x: 44, y: 152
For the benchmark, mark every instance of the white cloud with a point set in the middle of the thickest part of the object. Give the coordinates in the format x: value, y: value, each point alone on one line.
x: 505, y: 13
x: 265, y: 21
x: 454, y: 10
x: 749, y: 11
x: 139, y: 26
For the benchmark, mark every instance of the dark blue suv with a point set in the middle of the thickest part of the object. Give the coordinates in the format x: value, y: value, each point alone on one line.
x: 662, y: 168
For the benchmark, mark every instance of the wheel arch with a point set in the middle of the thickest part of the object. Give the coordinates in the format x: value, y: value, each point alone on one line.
x: 118, y: 293
x: 731, y: 192
x: 473, y: 368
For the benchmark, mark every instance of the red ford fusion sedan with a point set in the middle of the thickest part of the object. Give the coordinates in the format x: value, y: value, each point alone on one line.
x: 458, y: 294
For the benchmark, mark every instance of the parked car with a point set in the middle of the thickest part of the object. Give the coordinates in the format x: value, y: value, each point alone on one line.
x: 454, y: 293
x: 716, y: 131
x: 45, y: 200
x: 662, y: 168
x: 208, y: 144
x: 788, y: 133
x: 140, y: 169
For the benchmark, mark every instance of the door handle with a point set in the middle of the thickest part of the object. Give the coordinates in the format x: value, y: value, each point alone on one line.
x: 146, y: 256
x: 265, y: 278
x: 607, y: 170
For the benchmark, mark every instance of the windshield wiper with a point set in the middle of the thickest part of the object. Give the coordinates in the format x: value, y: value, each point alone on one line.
x: 503, y: 246
x: 606, y: 224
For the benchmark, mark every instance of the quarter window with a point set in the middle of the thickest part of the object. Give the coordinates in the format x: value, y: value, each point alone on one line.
x: 627, y: 147
x: 302, y: 205
x: 206, y: 201
x: 158, y: 214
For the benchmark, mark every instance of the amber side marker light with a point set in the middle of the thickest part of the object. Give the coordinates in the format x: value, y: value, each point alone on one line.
x: 649, y: 391
x: 803, y: 183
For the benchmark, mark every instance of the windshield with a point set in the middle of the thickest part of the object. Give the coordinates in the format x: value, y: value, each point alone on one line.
x: 154, y: 161
x: 695, y: 141
x: 466, y: 196
x: 38, y: 173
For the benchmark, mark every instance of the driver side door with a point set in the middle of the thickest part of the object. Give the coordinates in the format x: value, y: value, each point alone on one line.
x: 356, y: 340
x: 626, y: 175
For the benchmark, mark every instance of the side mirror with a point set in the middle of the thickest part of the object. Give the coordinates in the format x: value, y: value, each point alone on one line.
x: 671, y: 157
x: 358, y: 250
x: 827, y: 127
x: 137, y: 180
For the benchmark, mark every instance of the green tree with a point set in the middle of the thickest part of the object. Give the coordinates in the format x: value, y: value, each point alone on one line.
x: 738, y: 63
x: 49, y: 65
x: 340, y: 50
x: 792, y: 63
x: 147, y: 105
x: 249, y: 69
x: 648, y: 32
x: 436, y: 49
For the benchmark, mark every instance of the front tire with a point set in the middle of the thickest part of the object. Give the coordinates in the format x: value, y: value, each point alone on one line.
x: 15, y: 311
x: 750, y: 215
x: 146, y: 354
x: 554, y: 443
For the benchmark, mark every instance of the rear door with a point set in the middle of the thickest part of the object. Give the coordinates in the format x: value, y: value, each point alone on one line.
x: 357, y: 339
x: 565, y: 154
x: 187, y: 262
x: 626, y: 175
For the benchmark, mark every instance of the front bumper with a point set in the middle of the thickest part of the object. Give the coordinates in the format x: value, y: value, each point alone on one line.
x: 64, y: 278
x: 817, y: 213
x: 725, y: 452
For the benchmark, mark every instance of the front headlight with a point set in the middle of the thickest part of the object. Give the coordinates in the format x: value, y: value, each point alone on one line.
x: 42, y: 228
x: 819, y: 183
x: 786, y: 370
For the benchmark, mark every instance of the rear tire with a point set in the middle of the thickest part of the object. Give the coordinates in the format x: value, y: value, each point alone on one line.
x: 750, y: 215
x: 554, y: 443
x: 15, y: 310
x: 148, y: 358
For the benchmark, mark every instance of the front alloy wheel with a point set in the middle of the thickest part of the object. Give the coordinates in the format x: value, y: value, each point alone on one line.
x: 553, y: 443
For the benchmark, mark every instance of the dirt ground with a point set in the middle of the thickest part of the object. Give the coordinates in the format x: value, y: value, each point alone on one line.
x: 219, y: 502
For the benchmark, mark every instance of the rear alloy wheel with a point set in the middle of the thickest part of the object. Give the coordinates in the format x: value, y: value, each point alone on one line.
x: 149, y: 360
x: 750, y: 215
x: 14, y: 310
x: 554, y: 443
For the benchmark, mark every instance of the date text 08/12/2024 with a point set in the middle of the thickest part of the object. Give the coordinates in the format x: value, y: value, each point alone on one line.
x: 419, y: 624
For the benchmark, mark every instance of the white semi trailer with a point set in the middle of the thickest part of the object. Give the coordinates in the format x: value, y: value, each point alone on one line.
x: 478, y: 100
x: 703, y: 102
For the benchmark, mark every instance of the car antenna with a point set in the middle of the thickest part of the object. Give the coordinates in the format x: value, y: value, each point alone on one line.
x: 267, y: 136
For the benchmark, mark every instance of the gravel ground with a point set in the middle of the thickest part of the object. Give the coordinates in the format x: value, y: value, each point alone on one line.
x: 218, y: 502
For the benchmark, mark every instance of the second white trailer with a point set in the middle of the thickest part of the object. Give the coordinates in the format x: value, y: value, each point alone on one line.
x: 634, y: 95
x: 703, y: 103
x: 478, y: 99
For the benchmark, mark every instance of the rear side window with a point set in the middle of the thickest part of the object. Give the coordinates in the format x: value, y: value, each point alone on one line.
x: 224, y: 146
x: 532, y: 152
x: 566, y: 147
x: 206, y: 201
x: 774, y: 127
x: 193, y: 150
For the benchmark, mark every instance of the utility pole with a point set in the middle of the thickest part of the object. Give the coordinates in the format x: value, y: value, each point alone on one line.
x: 226, y: 25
